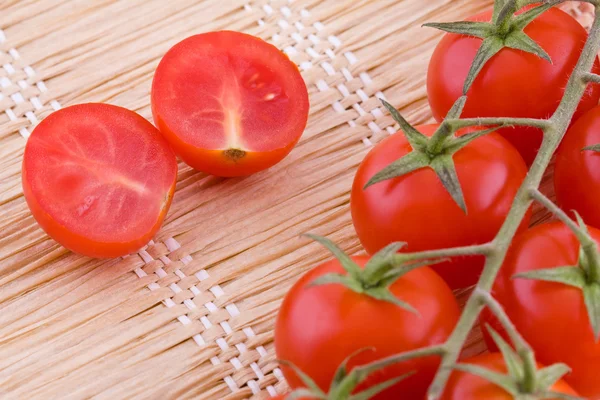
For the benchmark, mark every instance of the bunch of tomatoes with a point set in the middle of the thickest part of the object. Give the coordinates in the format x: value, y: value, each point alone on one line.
x: 100, y: 179
x: 335, y: 318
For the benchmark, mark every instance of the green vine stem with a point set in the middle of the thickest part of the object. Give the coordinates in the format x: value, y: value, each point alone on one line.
x: 554, y: 130
x: 553, y: 134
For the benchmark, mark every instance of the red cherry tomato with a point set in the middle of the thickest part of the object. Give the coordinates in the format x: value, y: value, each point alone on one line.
x: 318, y: 327
x: 552, y: 317
x: 229, y: 103
x: 99, y: 179
x: 577, y: 172
x: 513, y: 83
x: 465, y: 386
x: 417, y: 209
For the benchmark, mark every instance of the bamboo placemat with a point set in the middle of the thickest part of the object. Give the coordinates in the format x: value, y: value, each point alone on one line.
x: 191, y: 316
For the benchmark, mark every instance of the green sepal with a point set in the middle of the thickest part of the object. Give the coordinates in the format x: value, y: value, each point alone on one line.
x: 521, y: 21
x: 511, y: 359
x: 505, y: 12
x: 459, y: 142
x: 547, y: 377
x: 467, y: 28
x: 383, y: 256
x: 591, y: 295
x: 411, y: 162
x: 376, y: 389
x: 384, y: 294
x: 333, y: 278
x: 417, y: 140
x: 488, y: 49
x: 445, y: 169
x: 341, y: 379
x: 520, y: 41
x: 310, y: 384
x: 503, y: 381
x: 595, y: 148
x: 396, y: 273
x: 347, y: 263
x: 570, y: 275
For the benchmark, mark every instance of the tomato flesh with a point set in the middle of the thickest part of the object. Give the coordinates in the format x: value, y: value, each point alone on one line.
x: 552, y: 317
x: 513, y: 83
x: 417, y: 209
x: 98, y: 179
x: 319, y: 327
x: 465, y: 386
x: 229, y: 103
x: 577, y: 172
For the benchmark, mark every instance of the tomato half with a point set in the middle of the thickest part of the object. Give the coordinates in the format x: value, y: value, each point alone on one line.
x: 577, y: 172
x: 417, y: 209
x: 318, y: 327
x: 552, y: 317
x: 513, y: 83
x: 229, y: 103
x: 99, y: 179
x: 465, y: 386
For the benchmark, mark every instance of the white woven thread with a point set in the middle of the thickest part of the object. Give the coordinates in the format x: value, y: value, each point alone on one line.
x: 18, y: 97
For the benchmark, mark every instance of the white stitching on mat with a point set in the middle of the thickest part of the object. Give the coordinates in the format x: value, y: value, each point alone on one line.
x: 18, y: 97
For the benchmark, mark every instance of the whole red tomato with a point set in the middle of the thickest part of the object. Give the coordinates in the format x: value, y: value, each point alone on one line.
x: 465, y: 386
x: 513, y: 83
x: 552, y: 317
x: 577, y: 172
x: 318, y: 327
x: 417, y: 209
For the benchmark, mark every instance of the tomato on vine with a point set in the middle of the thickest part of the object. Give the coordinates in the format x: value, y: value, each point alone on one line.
x: 577, y: 168
x: 369, y: 310
x: 464, y: 385
x: 549, y: 286
x: 417, y: 208
x: 516, y: 78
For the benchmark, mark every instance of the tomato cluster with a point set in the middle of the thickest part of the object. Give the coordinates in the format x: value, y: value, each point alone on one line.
x: 404, y: 192
x: 99, y: 179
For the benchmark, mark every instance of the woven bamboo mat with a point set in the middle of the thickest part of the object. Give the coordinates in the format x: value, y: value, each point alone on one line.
x: 191, y: 316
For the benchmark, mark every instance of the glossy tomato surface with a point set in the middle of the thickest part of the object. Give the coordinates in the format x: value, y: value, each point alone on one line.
x: 318, y: 327
x: 577, y: 172
x: 417, y: 209
x: 465, y: 386
x: 229, y: 103
x: 99, y: 179
x: 552, y: 317
x: 513, y: 83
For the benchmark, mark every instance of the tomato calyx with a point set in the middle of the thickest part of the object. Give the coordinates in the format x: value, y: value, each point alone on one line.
x: 343, y: 385
x: 504, y: 31
x: 523, y: 380
x: 435, y: 152
x: 585, y: 275
x: 375, y: 279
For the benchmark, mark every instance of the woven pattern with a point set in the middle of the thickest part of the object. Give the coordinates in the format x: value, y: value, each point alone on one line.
x: 191, y: 315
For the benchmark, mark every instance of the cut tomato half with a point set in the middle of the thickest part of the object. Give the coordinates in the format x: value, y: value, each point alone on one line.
x: 229, y: 103
x: 99, y: 179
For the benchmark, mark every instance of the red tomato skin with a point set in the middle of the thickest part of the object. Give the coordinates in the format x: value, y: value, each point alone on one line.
x: 319, y: 327
x: 513, y: 83
x: 552, y: 317
x: 215, y: 161
x: 80, y: 243
x: 465, y: 386
x: 577, y: 172
x: 418, y: 210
